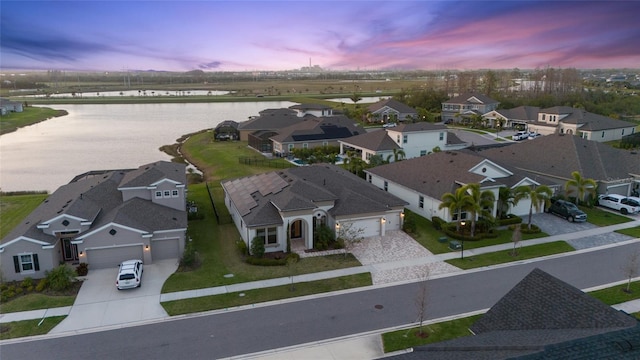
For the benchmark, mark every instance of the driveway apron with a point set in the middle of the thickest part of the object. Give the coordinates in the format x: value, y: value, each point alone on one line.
x: 99, y: 303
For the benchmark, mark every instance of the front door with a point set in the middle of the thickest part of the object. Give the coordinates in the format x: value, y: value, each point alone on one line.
x: 69, y: 250
x: 296, y: 229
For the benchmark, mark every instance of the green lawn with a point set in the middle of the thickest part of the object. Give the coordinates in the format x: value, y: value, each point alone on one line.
x: 255, y: 296
x: 635, y: 231
x: 30, y: 115
x: 36, y: 301
x: 617, y: 294
x: 18, y: 329
x: 14, y: 208
x: 501, y: 257
x: 602, y: 217
x: 404, y: 339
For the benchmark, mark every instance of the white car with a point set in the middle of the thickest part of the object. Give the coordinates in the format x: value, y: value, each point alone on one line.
x: 533, y: 136
x: 389, y: 125
x: 618, y: 202
x: 520, y: 135
x: 129, y: 274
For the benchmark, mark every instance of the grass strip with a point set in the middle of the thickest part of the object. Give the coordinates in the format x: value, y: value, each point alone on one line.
x: 404, y: 339
x: 634, y: 232
x: 600, y: 217
x: 618, y: 294
x: 215, y: 302
x: 35, y: 302
x: 505, y: 256
x: 24, y: 328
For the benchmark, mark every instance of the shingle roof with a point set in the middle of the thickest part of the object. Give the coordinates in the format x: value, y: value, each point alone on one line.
x: 271, y: 119
x: 393, y: 104
x: 150, y: 173
x: 302, y: 187
x: 377, y: 140
x: 557, y: 156
x: 527, y: 113
x: 418, y: 127
x: 305, y: 107
x: 312, y: 128
x: 467, y: 98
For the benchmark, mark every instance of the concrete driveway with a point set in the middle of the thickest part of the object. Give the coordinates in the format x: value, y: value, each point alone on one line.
x: 99, y: 303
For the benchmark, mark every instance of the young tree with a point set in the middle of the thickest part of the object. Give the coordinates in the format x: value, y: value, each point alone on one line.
x: 515, y: 238
x: 540, y: 197
x: 630, y: 268
x: 456, y: 202
x: 292, y: 262
x: 580, y: 186
x: 422, y: 301
x: 478, y: 203
x: 349, y: 235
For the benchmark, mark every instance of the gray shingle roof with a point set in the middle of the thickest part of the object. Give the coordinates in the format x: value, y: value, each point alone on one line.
x: 271, y: 119
x: 377, y: 140
x: 319, y: 128
x: 525, y: 113
x: 305, y: 186
x: 465, y: 98
x: 419, y: 127
x: 391, y: 103
x: 150, y: 173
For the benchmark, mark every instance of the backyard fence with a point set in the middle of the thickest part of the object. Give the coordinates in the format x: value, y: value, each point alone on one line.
x: 220, y: 218
x: 262, y: 161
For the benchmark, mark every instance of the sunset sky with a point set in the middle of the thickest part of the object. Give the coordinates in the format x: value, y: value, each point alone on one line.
x: 342, y: 35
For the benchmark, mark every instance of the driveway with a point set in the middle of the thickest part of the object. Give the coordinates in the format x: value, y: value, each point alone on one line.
x: 99, y: 303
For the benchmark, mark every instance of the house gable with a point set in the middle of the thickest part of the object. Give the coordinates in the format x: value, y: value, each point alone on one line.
x: 490, y: 170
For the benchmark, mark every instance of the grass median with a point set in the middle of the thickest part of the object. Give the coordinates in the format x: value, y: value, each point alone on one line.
x: 24, y: 328
x: 404, y: 339
x: 224, y: 301
x: 506, y: 256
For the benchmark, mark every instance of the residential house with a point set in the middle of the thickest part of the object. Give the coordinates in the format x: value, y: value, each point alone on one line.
x: 314, y: 132
x: 268, y: 120
x: 289, y: 205
x: 102, y: 218
x: 422, y: 181
x: 312, y: 109
x: 542, y: 317
x: 391, y: 110
x: 7, y: 106
x: 414, y: 139
x: 466, y: 105
x: 572, y: 121
x: 518, y: 118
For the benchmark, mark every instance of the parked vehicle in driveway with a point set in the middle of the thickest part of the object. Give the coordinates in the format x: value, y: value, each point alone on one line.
x: 621, y: 203
x: 129, y: 274
x: 568, y: 211
x: 520, y: 135
x: 533, y: 136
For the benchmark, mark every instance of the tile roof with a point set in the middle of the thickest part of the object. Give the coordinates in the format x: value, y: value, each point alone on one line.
x: 377, y: 140
x: 303, y: 188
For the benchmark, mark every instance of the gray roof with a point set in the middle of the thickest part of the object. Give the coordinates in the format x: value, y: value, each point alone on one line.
x: 150, y: 173
x: 377, y: 140
x: 466, y: 98
x: 589, y: 121
x: 96, y: 198
x: 418, y: 127
x: 393, y: 104
x: 525, y: 113
x: 542, y: 317
x: 271, y: 119
x: 557, y: 156
x: 312, y: 128
x: 305, y: 107
x: 303, y: 188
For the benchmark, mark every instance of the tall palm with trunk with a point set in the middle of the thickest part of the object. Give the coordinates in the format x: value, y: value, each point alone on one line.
x: 505, y: 200
x: 398, y: 155
x: 580, y: 186
x: 456, y: 202
x: 540, y: 197
x: 480, y: 203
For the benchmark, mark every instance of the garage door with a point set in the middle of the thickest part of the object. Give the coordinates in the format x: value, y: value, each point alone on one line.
x: 164, y: 249
x: 620, y: 190
x: 112, y: 257
x: 371, y: 227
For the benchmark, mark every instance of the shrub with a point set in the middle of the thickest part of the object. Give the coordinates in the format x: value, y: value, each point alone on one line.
x: 323, y: 237
x: 27, y: 282
x: 257, y: 247
x: 271, y: 262
x: 242, y: 247
x: 189, y: 257
x: 510, y: 220
x: 534, y: 229
x: 42, y: 284
x: 60, y: 278
x: 409, y: 225
x: 438, y: 223
x: 82, y: 269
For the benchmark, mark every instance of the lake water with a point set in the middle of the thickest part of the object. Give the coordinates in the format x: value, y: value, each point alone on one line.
x: 49, y: 154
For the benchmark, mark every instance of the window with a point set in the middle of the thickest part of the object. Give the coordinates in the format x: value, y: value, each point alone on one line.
x: 290, y: 146
x: 423, y: 152
x: 463, y: 216
x: 544, y: 117
x: 305, y: 146
x: 158, y: 194
x: 386, y: 186
x: 368, y: 156
x: 405, y: 138
x: 113, y: 232
x: 65, y: 222
x: 26, y: 263
x: 268, y: 235
x: 325, y: 143
x: 441, y: 136
x: 421, y: 202
x: 167, y: 193
x: 398, y: 138
x: 369, y: 178
x: 174, y: 193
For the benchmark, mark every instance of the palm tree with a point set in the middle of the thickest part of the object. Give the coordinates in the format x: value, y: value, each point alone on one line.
x: 582, y: 186
x: 539, y: 196
x: 505, y: 200
x: 398, y: 155
x: 456, y: 202
x: 479, y: 202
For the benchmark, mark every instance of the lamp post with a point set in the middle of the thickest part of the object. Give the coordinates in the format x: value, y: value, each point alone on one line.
x: 462, y: 242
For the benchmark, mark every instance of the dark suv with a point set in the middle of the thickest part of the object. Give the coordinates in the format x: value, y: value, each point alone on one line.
x: 568, y: 211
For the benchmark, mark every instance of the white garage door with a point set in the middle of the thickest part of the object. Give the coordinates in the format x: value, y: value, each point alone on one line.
x: 112, y: 257
x: 164, y: 249
x: 371, y: 227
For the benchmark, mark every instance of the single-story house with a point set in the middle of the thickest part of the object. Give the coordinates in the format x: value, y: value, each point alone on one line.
x: 314, y: 132
x: 519, y: 117
x: 102, y: 218
x: 318, y: 110
x: 268, y: 120
x: 414, y: 139
x: 467, y: 104
x: 390, y: 110
x: 542, y: 317
x: 289, y: 205
x: 7, y: 106
x: 422, y: 181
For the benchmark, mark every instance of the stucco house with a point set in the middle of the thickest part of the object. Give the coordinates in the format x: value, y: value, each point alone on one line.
x: 314, y: 132
x: 422, y: 181
x: 519, y: 117
x: 102, y: 218
x: 292, y: 203
x: 414, y: 139
x: 268, y: 120
x: 390, y: 110
x: 7, y: 106
x: 465, y: 105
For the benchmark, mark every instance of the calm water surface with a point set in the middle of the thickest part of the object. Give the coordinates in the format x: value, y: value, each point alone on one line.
x: 49, y: 154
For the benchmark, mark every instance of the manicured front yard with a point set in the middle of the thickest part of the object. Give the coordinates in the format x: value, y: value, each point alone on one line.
x: 36, y: 301
x: 18, y: 329
x: 617, y: 294
x: 601, y: 217
x: 504, y: 256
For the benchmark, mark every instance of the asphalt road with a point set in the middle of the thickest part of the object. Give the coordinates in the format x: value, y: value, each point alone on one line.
x: 269, y: 327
